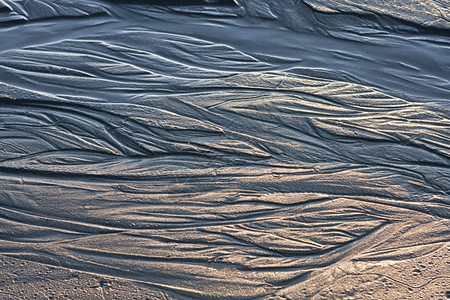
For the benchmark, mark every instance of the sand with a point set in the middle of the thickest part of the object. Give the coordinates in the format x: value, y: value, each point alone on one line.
x: 224, y: 150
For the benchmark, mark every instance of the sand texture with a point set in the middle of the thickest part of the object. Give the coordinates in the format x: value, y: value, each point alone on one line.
x: 224, y: 149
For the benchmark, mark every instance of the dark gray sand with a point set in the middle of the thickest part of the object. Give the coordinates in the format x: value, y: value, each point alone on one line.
x: 225, y: 150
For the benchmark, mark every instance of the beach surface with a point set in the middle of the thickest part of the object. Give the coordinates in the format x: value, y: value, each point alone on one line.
x: 225, y: 149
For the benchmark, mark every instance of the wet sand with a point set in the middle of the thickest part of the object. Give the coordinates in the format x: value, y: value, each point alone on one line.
x: 224, y: 150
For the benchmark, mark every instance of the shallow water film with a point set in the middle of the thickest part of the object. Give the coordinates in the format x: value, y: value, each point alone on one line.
x: 224, y: 149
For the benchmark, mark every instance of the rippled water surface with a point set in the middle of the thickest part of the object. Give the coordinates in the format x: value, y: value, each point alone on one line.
x: 270, y: 149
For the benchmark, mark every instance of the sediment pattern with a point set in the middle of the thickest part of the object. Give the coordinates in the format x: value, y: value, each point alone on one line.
x: 274, y: 149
